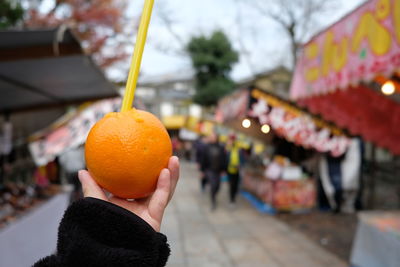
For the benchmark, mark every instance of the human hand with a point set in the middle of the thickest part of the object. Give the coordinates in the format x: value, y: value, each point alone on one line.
x: 151, y: 208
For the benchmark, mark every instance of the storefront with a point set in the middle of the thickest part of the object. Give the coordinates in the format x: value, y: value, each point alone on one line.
x: 277, y: 179
x: 350, y: 74
x: 42, y: 72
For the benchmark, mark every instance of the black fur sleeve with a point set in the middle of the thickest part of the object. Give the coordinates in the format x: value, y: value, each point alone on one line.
x: 94, y: 232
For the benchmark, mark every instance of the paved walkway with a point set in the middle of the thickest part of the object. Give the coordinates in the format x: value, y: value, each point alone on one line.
x: 232, y: 237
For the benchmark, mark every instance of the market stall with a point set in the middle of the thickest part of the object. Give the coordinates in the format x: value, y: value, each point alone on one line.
x: 349, y: 74
x: 42, y: 72
x: 278, y: 179
x: 280, y: 185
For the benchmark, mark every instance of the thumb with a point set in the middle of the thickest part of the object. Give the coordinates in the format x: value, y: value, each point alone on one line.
x: 89, y: 187
x: 159, y: 199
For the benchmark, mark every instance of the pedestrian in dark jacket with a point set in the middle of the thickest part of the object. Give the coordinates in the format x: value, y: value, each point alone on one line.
x: 200, y: 146
x: 213, y: 165
x: 102, y: 230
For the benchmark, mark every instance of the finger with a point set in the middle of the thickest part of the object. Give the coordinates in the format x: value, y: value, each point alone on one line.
x: 89, y: 187
x: 159, y: 199
x: 173, y: 167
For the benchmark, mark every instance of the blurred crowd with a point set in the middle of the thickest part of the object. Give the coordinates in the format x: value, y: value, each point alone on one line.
x: 216, y: 161
x: 282, y: 174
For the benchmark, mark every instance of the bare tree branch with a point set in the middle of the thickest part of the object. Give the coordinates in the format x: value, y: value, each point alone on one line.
x: 295, y: 16
x: 169, y: 26
x: 164, y: 14
x: 244, y: 51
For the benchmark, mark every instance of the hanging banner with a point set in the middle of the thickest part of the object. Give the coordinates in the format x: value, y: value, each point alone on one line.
x: 232, y: 106
x: 297, y: 126
x: 364, y: 44
x: 71, y: 134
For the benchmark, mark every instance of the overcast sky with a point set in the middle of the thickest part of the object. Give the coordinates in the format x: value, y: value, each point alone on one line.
x: 262, y: 42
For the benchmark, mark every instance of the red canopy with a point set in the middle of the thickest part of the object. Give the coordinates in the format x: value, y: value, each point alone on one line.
x: 363, y: 112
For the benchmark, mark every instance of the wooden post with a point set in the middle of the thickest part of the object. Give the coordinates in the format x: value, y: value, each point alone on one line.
x: 396, y: 166
x: 371, y: 182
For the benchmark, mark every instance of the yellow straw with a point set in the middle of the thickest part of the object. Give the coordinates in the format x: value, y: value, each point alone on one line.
x: 137, y: 56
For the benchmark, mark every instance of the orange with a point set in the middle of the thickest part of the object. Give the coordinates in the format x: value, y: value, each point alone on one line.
x: 126, y: 151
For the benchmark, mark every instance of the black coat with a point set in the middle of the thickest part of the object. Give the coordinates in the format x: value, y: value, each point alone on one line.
x: 94, y: 232
x: 213, y: 158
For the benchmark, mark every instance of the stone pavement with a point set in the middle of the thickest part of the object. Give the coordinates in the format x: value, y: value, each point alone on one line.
x: 232, y: 237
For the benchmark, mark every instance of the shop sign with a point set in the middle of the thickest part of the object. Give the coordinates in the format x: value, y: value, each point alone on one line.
x: 174, y: 121
x: 364, y: 44
x: 72, y: 134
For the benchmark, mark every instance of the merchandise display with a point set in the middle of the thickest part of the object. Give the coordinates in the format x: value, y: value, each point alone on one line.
x: 280, y: 184
x: 18, y: 199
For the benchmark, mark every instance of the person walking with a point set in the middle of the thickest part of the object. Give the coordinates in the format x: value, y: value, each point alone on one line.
x: 200, y: 146
x: 234, y: 159
x: 214, y: 164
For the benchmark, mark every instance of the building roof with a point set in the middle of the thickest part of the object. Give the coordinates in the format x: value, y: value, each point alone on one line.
x: 186, y: 75
x: 47, y: 68
x: 250, y: 80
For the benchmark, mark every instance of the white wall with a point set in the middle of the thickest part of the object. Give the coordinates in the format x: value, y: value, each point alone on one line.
x: 167, y: 109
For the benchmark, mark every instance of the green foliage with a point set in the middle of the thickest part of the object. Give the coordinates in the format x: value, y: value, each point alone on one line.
x: 212, y: 59
x: 214, y: 89
x: 10, y: 14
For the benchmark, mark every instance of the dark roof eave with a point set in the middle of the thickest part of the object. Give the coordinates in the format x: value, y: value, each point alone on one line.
x: 26, y: 44
x: 57, y: 104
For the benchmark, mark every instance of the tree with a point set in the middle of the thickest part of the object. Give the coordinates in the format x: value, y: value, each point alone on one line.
x: 97, y: 23
x: 296, y: 17
x: 212, y: 59
x: 10, y: 13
